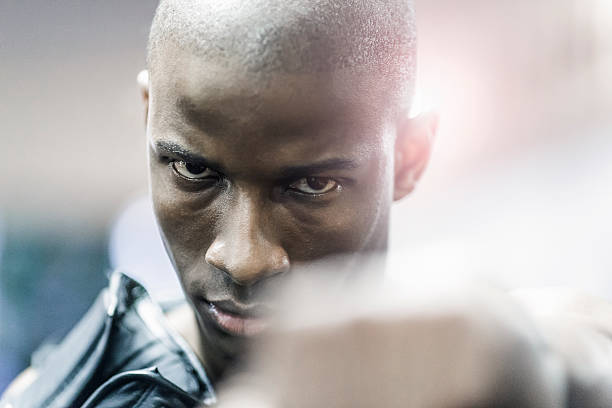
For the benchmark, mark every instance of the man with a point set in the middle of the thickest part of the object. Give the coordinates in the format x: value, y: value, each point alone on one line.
x: 278, y: 135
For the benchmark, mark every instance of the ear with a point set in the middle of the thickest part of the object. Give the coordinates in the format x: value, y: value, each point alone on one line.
x: 412, y: 149
x: 143, y: 86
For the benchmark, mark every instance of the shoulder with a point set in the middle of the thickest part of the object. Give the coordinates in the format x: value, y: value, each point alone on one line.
x: 123, y: 333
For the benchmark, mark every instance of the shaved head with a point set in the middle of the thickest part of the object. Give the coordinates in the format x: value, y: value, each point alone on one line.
x: 292, y: 36
x: 279, y: 135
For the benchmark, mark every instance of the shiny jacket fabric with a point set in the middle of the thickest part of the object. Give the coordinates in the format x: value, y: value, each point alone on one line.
x: 121, y: 354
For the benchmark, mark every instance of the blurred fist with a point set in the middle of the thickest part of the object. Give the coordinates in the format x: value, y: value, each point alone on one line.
x: 378, y: 346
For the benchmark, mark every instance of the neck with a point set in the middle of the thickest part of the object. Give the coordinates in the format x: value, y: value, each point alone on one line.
x: 184, y: 321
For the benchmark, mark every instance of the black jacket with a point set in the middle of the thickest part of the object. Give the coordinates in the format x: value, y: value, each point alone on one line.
x: 121, y: 354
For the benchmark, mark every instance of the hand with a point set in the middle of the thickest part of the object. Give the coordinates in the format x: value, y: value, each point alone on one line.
x: 468, y: 347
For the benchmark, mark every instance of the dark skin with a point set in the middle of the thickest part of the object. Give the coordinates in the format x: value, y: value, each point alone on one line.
x: 253, y: 175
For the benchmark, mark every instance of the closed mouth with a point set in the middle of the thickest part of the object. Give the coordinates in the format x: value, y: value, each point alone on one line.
x: 236, y: 320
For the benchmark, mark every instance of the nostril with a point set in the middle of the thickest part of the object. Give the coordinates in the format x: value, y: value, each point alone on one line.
x: 215, y: 256
x: 282, y: 265
x: 251, y: 271
x: 246, y: 265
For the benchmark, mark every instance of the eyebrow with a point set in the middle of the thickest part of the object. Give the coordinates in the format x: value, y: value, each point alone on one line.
x: 174, y: 149
x: 285, y: 173
x: 291, y: 172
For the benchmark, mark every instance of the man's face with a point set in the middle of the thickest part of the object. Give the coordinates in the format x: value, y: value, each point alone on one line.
x: 253, y: 175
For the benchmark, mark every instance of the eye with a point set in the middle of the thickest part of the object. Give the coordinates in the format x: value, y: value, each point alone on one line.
x: 193, y: 171
x: 314, y: 185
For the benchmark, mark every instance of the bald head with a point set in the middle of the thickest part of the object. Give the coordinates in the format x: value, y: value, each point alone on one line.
x: 279, y: 136
x: 293, y: 36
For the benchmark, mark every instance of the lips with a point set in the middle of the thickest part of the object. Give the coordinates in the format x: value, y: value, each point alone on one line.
x: 236, y: 320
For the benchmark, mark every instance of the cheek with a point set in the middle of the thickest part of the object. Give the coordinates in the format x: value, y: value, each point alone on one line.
x: 186, y: 224
x: 356, y: 222
x: 334, y: 232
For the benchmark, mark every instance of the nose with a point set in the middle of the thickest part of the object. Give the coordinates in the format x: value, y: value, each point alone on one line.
x: 242, y: 249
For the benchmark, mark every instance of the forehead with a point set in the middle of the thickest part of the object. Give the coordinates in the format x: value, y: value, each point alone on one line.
x: 181, y: 79
x: 194, y: 99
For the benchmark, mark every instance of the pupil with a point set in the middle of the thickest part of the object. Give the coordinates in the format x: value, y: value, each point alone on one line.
x: 317, y: 183
x: 195, y: 168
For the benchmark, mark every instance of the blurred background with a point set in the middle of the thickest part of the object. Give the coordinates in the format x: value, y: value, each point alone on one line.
x: 519, y: 183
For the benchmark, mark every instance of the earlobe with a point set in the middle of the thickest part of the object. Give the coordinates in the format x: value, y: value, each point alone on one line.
x: 412, y: 150
x: 143, y: 86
